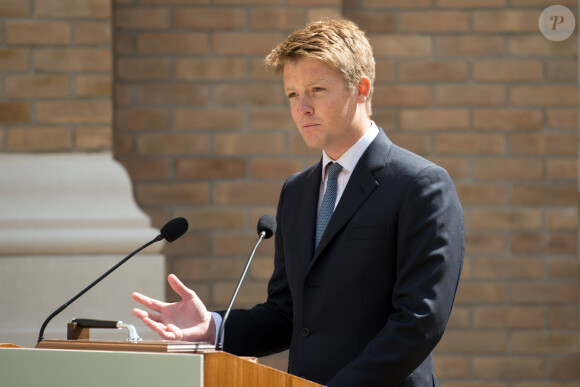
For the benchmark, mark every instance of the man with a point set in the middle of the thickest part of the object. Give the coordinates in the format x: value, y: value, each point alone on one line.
x: 363, y: 300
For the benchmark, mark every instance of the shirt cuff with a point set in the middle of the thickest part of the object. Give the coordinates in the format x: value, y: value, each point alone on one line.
x: 217, y: 318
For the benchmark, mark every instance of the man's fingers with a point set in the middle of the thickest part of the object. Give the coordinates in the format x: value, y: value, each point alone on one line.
x: 179, y: 287
x: 149, y: 302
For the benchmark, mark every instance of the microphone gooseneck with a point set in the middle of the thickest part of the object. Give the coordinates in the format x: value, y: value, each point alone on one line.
x: 266, y: 228
x: 171, y: 231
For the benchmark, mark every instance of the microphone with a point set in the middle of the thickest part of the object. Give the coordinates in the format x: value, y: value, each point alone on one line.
x: 170, y: 232
x: 266, y: 228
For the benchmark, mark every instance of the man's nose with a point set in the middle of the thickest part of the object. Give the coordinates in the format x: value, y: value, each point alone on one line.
x: 305, y: 106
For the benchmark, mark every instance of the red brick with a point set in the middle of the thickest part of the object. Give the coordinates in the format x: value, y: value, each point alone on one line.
x: 542, y: 343
x: 214, y: 168
x: 537, y: 293
x: 433, y: 70
x: 548, y: 243
x: 563, y: 118
x: 215, y: 218
x: 563, y: 70
x: 93, y: 86
x: 417, y: 143
x: 125, y: 44
x: 192, y: 244
x: 506, y: 20
x: 536, y: 45
x: 434, y: 21
x: 400, y: 46
x: 93, y: 32
x: 141, y: 119
x: 396, y: 3
x: 172, y: 194
x: 249, y: 295
x: 481, y: 243
x: 271, y: 119
x: 73, y: 59
x: 209, y: 119
x: 240, y: 94
x: 171, y: 94
x: 562, y: 218
x: 472, y: 342
x: 39, y: 139
x: 544, y: 144
x: 564, y: 268
x: 14, y: 8
x: 507, y: 268
x: 388, y: 95
x: 543, y: 194
x: 123, y: 95
x: 562, y: 368
x: 298, y: 147
x: 470, y: 144
x: 507, y: 70
x: 460, y: 318
x: 246, y: 193
x: 123, y: 145
x: 481, y: 293
x: 470, y: 3
x: 372, y: 21
x: 203, y: 268
x: 508, y: 119
x: 74, y: 112
x: 434, y: 119
x: 480, y: 194
x: 37, y: 86
x: 274, y: 168
x: 93, y: 138
x: 284, y: 18
x: 73, y: 9
x: 172, y: 144
x: 211, y: 69
x: 146, y: 69
x: 564, y: 318
x: 235, y: 244
x: 244, y: 43
x: 172, y: 43
x: 458, y: 95
x: 225, y: 18
x: 259, y: 71
x: 508, y: 168
x: 508, y: 367
x: 562, y: 169
x: 544, y: 95
x: 14, y: 59
x: 506, y: 219
x: 540, y: 3
x: 147, y: 169
x: 501, y: 317
x: 37, y: 33
x: 385, y: 70
x: 136, y: 18
x: 249, y: 144
x: 470, y: 45
x: 175, y: 2
x: 452, y: 367
x: 14, y: 112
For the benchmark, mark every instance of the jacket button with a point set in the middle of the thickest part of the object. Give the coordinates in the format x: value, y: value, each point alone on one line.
x: 305, y: 332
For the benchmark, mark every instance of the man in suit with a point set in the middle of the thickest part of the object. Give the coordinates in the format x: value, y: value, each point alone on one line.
x: 370, y: 240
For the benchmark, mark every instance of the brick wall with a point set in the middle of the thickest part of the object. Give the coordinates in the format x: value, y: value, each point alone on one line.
x: 205, y: 133
x: 55, y: 73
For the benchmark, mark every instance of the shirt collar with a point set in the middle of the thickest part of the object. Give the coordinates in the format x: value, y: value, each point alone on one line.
x: 350, y: 158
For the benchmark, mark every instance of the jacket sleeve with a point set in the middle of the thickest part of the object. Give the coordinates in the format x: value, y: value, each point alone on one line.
x: 430, y: 250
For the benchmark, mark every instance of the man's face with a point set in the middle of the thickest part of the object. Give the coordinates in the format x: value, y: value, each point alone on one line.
x: 323, y: 109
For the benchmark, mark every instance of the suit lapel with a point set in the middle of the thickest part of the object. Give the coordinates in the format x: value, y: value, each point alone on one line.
x: 360, y: 186
x: 308, y: 215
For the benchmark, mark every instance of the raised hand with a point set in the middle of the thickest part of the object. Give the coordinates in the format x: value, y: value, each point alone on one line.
x: 185, y: 320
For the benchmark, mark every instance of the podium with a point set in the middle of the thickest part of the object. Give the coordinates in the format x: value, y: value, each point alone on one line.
x: 159, y: 363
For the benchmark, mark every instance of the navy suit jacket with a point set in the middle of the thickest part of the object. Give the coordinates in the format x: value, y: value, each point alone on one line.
x: 367, y: 307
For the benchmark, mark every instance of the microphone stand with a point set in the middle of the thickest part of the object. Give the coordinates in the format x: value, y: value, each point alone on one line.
x: 66, y: 304
x: 218, y: 345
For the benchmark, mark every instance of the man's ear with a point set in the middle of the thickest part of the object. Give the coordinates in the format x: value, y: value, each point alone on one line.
x: 363, y: 89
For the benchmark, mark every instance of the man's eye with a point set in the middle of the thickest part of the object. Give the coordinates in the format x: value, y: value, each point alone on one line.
x: 316, y: 89
x: 291, y: 95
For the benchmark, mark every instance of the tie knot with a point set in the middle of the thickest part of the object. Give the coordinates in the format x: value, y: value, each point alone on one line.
x: 333, y: 170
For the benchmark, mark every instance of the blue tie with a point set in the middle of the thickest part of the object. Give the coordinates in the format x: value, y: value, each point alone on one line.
x: 328, y: 202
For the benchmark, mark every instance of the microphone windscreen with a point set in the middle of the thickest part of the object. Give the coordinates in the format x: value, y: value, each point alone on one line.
x: 267, y: 224
x: 174, y: 229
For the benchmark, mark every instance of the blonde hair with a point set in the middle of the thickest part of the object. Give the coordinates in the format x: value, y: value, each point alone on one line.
x: 339, y: 43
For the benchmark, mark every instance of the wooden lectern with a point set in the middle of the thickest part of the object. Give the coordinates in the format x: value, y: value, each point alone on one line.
x: 89, y: 363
